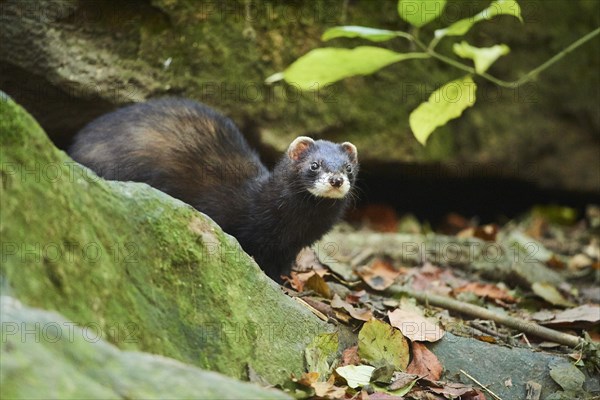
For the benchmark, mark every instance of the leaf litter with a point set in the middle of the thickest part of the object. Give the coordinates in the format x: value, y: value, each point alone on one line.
x: 549, y: 279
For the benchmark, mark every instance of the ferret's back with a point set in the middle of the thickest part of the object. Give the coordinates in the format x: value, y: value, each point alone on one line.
x: 176, y: 145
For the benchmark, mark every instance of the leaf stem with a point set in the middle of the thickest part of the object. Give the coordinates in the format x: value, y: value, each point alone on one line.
x: 507, y: 84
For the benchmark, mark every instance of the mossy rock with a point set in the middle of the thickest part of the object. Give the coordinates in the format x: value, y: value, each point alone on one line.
x: 45, y: 356
x: 147, y: 271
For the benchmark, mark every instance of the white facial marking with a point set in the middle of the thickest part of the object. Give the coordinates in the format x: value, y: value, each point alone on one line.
x: 322, y: 187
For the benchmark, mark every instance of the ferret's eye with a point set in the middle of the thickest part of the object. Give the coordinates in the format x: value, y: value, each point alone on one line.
x: 314, y: 166
x: 348, y: 168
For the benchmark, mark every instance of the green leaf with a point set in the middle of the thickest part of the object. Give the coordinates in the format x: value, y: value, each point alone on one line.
x: 356, y: 375
x: 321, y: 353
x: 321, y: 67
x: 420, y: 12
x: 372, y: 34
x: 568, y: 376
x: 446, y: 103
x: 498, y: 7
x: 380, y: 344
x: 548, y: 292
x: 483, y: 57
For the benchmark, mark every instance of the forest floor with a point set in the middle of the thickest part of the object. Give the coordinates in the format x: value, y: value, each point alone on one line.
x: 530, y: 284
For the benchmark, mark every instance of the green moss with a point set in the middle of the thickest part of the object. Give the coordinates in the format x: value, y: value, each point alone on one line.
x: 56, y: 360
x: 145, y: 270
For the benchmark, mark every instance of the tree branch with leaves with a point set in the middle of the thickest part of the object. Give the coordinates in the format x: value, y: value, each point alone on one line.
x: 324, y: 66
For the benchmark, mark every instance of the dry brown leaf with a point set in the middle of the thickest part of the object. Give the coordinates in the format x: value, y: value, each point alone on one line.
x: 585, y: 313
x: 454, y: 389
x: 379, y: 274
x: 350, y: 356
x: 479, y: 395
x: 434, y: 279
x: 414, y: 326
x: 486, y: 232
x: 317, y: 284
x: 295, y: 281
x: 486, y: 338
x: 355, y: 297
x: 486, y: 290
x: 308, y: 378
x: 328, y: 389
x: 307, y: 260
x: 424, y: 363
x: 360, y: 314
x: 383, y: 396
x: 401, y: 379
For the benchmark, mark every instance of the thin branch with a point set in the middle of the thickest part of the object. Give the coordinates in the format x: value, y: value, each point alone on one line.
x: 507, y: 84
x: 533, y: 73
x: 494, y: 395
x: 483, y: 313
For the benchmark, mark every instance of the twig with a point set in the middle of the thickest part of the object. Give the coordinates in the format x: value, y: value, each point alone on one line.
x: 483, y: 313
x: 494, y: 395
x: 489, y: 331
x: 318, y: 313
x: 507, y: 84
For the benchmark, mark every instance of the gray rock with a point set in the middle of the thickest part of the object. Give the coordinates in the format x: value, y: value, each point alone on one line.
x: 492, y: 365
x: 146, y: 271
x: 45, y: 356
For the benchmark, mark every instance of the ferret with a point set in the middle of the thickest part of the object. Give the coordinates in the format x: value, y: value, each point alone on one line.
x: 193, y: 153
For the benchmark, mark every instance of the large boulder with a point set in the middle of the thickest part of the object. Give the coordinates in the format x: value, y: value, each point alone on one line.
x: 45, y: 356
x: 70, y: 61
x: 145, y: 271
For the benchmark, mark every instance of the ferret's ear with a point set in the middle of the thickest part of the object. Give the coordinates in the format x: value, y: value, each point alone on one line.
x: 351, y: 150
x: 299, y: 146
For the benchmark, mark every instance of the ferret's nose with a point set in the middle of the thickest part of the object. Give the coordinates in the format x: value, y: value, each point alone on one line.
x: 336, y: 181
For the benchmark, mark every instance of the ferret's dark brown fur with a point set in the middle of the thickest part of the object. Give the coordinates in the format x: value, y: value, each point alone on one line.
x: 195, y: 154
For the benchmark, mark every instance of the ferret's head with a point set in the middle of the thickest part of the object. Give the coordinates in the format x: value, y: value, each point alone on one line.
x: 324, y: 168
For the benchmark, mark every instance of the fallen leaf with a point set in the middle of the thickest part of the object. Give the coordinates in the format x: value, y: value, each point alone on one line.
x: 295, y: 281
x: 434, y: 279
x: 486, y: 338
x: 328, y: 389
x: 584, y: 313
x: 356, y: 375
x: 321, y: 307
x: 379, y: 274
x: 380, y: 344
x: 357, y: 297
x: 486, y: 232
x: 308, y: 378
x: 307, y: 260
x: 549, y: 293
x: 477, y: 396
x: 508, y: 383
x: 424, y: 363
x: 580, y: 261
x: 415, y: 326
x: 384, y: 396
x: 402, y: 379
x: 543, y: 315
x: 454, y: 389
x: 361, y: 314
x: 568, y: 376
x: 533, y: 390
x: 350, y: 356
x: 383, y: 374
x: 317, y: 284
x: 320, y: 354
x: 486, y: 290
